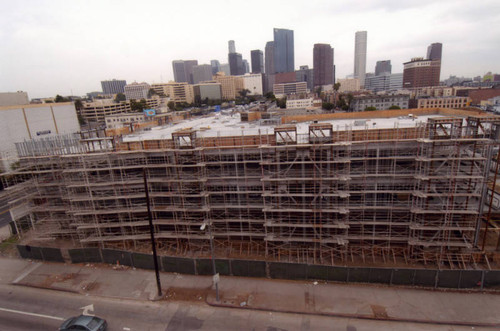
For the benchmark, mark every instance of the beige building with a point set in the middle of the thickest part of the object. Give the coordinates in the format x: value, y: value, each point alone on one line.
x: 231, y: 85
x: 136, y: 91
x: 98, y: 110
x: 289, y: 88
x: 177, y: 92
x: 299, y: 103
x: 14, y: 98
x: 443, y: 102
x: 349, y: 84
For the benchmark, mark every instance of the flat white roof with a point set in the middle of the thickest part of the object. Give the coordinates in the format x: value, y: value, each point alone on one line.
x: 226, y: 125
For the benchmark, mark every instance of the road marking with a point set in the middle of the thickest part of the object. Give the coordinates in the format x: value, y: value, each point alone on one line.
x: 24, y: 274
x: 126, y: 329
x: 88, y: 309
x: 31, y: 314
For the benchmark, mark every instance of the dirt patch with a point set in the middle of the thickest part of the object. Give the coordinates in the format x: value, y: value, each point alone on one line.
x: 379, y: 312
x: 51, y: 279
x: 186, y: 294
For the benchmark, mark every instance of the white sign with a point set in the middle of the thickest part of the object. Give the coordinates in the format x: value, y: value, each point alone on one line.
x: 216, y: 278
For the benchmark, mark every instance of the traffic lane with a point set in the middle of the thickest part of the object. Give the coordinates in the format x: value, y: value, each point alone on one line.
x: 21, y: 322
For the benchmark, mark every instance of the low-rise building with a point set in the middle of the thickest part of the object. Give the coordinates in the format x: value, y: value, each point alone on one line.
x: 97, y: 111
x: 14, y: 98
x: 208, y: 90
x: 299, y: 103
x: 442, y: 102
x: 137, y: 91
x: 122, y: 120
x: 384, y: 82
x: 379, y: 102
x: 348, y: 85
x: 179, y: 92
x: 290, y: 88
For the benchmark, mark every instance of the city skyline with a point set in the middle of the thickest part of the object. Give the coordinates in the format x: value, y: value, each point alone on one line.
x: 70, y: 47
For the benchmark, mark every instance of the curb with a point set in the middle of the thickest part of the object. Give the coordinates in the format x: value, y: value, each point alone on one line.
x: 47, y: 288
x: 355, y: 316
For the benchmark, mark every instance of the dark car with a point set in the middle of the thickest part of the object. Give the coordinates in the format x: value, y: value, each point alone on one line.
x: 83, y: 322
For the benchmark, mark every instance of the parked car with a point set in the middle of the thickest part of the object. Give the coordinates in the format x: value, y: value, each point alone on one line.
x: 84, y: 323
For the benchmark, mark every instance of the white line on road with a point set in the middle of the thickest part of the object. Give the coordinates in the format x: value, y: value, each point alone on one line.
x: 31, y: 314
x: 126, y: 329
x: 24, y: 274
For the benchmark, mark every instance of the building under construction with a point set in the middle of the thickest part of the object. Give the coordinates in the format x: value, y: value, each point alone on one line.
x: 309, y: 192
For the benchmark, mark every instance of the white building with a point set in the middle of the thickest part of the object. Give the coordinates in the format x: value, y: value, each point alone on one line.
x: 122, y: 120
x: 137, y: 91
x: 19, y: 123
x: 253, y: 83
x: 299, y: 103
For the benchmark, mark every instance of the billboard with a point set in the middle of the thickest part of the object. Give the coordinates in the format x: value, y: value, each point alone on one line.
x: 217, y: 108
x: 149, y: 112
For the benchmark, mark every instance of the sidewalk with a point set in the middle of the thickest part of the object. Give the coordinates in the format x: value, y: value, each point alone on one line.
x: 342, y: 300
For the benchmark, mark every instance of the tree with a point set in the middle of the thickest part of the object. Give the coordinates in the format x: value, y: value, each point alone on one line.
x: 394, y: 107
x: 370, y: 108
x: 138, y: 106
x: 61, y: 99
x: 327, y: 106
x: 81, y: 120
x: 270, y: 96
x: 120, y: 97
x: 171, y: 105
x: 78, y: 104
x: 151, y: 92
x: 281, y: 102
x: 318, y: 90
x: 243, y: 93
x: 336, y: 86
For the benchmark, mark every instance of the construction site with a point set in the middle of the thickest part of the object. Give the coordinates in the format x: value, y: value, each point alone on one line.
x: 407, y: 187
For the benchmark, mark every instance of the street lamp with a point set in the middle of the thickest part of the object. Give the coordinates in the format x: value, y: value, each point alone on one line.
x: 216, y: 275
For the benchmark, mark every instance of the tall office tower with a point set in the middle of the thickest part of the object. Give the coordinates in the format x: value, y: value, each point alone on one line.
x: 383, y: 67
x: 179, y: 71
x: 202, y: 73
x: 183, y: 70
x: 113, y: 86
x: 284, y: 58
x: 246, y: 66
x: 323, y: 64
x: 224, y: 67
x: 257, y: 58
x: 269, y: 58
x: 434, y: 51
x: 215, y: 66
x: 236, y: 64
x: 189, y: 70
x: 360, y: 56
x: 231, y: 46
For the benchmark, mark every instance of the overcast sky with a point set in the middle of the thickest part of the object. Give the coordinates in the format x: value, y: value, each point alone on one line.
x: 68, y: 47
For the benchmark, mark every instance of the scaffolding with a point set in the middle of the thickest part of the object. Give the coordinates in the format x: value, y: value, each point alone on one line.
x: 330, y: 196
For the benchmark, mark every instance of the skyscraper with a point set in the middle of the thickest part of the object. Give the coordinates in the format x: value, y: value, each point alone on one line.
x: 202, y: 73
x: 383, y: 67
x: 257, y: 58
x: 231, y: 46
x: 113, y: 86
x: 304, y: 74
x: 183, y: 70
x: 215, y: 66
x: 284, y: 57
x: 434, y: 51
x: 246, y: 66
x: 236, y: 64
x: 323, y: 64
x: 269, y: 58
x: 360, y: 56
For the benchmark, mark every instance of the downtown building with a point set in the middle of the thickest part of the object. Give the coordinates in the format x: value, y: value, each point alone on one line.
x: 183, y: 70
x: 114, y: 86
x: 136, y: 91
x: 360, y: 44
x: 420, y: 72
x: 323, y: 65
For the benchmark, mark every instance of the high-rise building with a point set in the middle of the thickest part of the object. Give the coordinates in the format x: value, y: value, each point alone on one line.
x: 215, y: 66
x: 246, y: 66
x: 257, y: 58
x: 236, y: 64
x: 202, y: 73
x: 224, y: 67
x: 269, y: 58
x: 383, y: 67
x: 360, y: 56
x: 113, y: 86
x: 304, y: 74
x: 434, y: 51
x: 323, y: 64
x: 183, y: 70
x: 284, y: 58
x: 231, y: 46
x: 421, y: 73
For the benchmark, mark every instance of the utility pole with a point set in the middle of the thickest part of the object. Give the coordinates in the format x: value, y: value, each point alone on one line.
x: 151, y: 230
